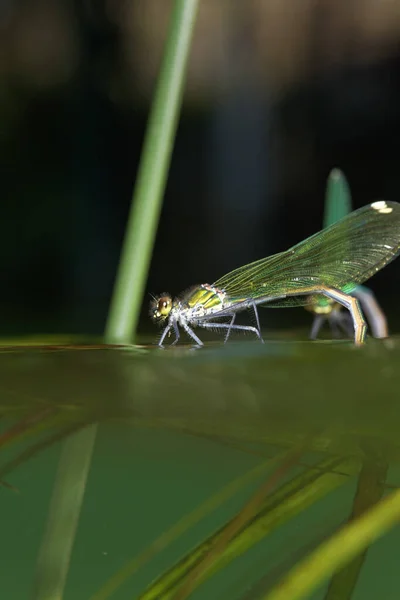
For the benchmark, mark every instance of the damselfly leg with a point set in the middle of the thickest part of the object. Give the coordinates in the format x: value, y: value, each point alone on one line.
x: 257, y: 319
x: 177, y: 334
x: 338, y: 320
x: 345, y: 300
x: 375, y: 315
x: 232, y: 326
x: 164, y: 335
x: 316, y: 326
x: 229, y: 326
x: 192, y: 334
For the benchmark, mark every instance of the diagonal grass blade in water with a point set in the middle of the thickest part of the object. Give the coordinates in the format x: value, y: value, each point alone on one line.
x: 338, y: 551
x: 181, y: 527
x: 337, y: 206
x: 289, y: 500
x: 26, y: 426
x: 332, y: 263
x: 370, y: 489
x: 247, y: 513
x: 38, y: 447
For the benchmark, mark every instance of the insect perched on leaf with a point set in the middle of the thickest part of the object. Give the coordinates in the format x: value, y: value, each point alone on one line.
x: 337, y: 206
x: 330, y: 263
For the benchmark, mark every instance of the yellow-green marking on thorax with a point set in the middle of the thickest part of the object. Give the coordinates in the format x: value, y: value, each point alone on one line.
x: 206, y: 296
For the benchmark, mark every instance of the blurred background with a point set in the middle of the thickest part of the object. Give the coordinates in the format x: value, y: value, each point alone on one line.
x: 278, y: 93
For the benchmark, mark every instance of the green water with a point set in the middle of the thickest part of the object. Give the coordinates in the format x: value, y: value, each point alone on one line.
x: 147, y: 472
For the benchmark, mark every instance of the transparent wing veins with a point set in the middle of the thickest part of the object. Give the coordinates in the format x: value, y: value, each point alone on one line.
x: 341, y: 256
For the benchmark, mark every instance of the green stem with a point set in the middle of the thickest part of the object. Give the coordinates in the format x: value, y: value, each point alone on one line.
x: 151, y: 179
x: 370, y: 489
x: 338, y: 551
x: 56, y: 548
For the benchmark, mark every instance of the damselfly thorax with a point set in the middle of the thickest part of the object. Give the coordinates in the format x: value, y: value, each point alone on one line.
x: 201, y: 306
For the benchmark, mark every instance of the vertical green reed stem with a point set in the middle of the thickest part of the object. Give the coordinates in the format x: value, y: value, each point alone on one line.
x: 152, y: 174
x: 71, y: 477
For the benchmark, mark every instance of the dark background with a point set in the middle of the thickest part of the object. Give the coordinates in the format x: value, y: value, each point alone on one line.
x: 274, y: 101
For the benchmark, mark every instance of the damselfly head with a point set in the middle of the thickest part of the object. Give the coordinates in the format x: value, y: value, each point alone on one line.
x: 160, y: 307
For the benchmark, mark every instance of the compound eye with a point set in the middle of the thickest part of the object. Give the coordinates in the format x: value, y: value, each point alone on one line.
x: 160, y: 308
x: 164, y: 306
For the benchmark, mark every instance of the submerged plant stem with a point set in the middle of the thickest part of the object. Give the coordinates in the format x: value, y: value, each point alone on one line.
x: 179, y: 528
x: 287, y: 501
x: 237, y: 523
x: 338, y: 551
x: 370, y: 489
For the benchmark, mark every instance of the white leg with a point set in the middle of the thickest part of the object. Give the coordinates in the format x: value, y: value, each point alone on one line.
x: 177, y: 334
x: 164, y: 333
x: 230, y: 327
x: 345, y: 300
x: 341, y: 321
x: 192, y: 334
x: 316, y: 326
x: 337, y: 320
x: 257, y: 320
x: 209, y: 325
x: 374, y: 313
x: 353, y: 307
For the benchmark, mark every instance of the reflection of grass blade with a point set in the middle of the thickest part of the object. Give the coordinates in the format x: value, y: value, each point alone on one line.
x: 288, y: 501
x: 26, y: 425
x: 9, y: 486
x: 181, y: 527
x: 24, y: 428
x: 337, y: 198
x: 370, y: 489
x: 69, y: 488
x: 39, y: 447
x: 339, y: 550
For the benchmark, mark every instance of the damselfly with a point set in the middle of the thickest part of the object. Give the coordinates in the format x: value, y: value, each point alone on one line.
x: 337, y: 206
x: 330, y: 263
